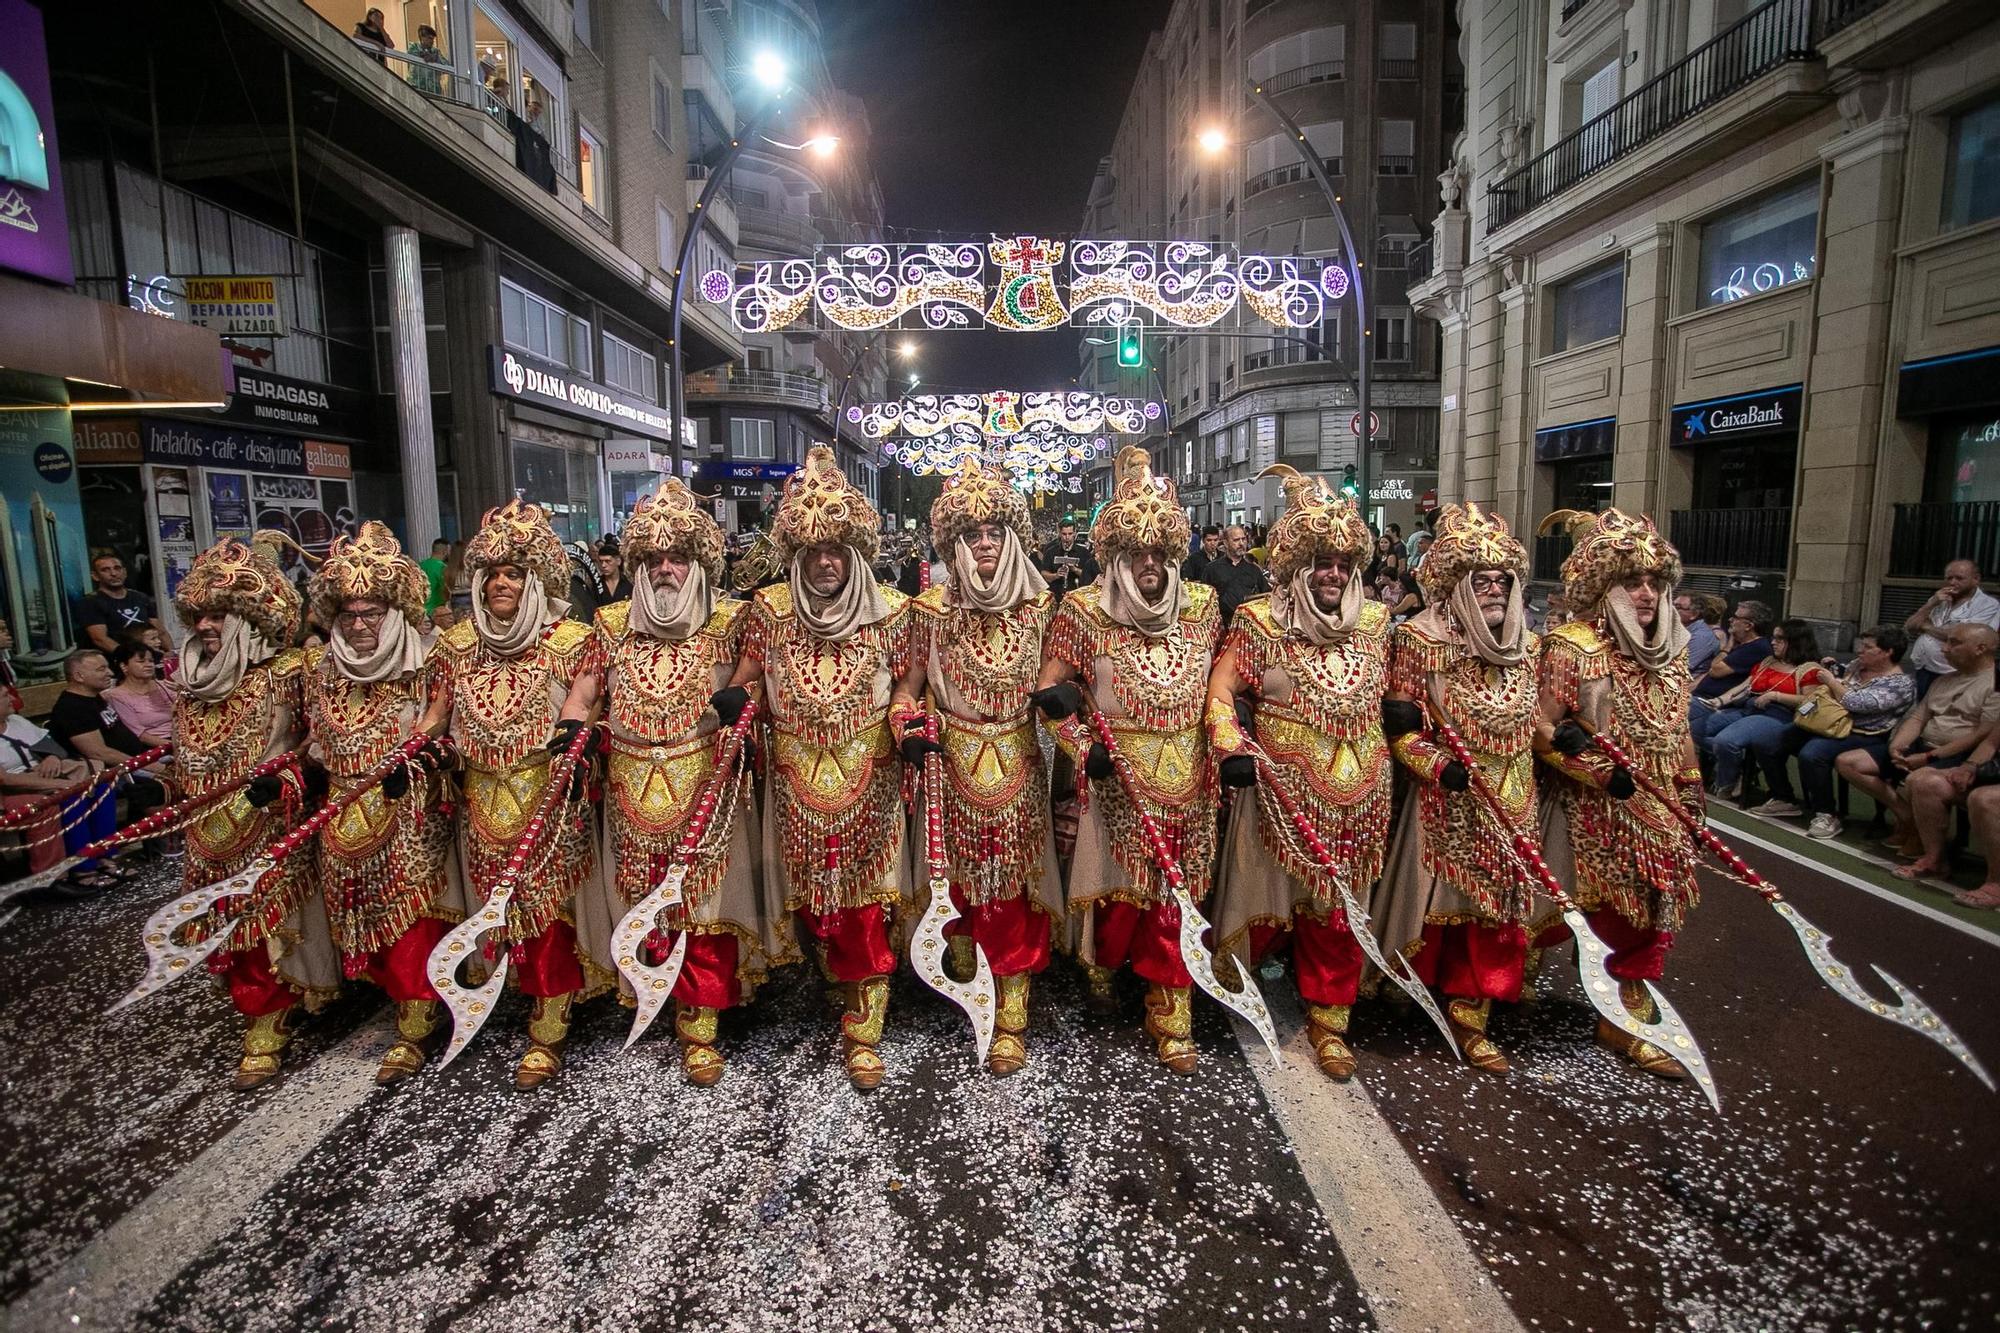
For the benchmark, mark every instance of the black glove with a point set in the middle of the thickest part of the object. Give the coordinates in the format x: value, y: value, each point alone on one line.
x: 1058, y: 701
x: 1400, y: 717
x: 916, y: 745
x: 563, y: 735
x: 1619, y: 786
x: 396, y: 782
x: 264, y: 790
x: 1239, y: 770
x: 1570, y: 739
x: 1098, y: 763
x: 1453, y: 777
x: 729, y: 703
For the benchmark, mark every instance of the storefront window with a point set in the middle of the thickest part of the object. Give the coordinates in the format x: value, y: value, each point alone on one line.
x: 1964, y: 463
x: 1760, y: 246
x: 1972, y: 168
x: 1588, y: 308
x: 564, y: 483
x: 1751, y: 475
x: 1582, y: 483
x: 495, y: 64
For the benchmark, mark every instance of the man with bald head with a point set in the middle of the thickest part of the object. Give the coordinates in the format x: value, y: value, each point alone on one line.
x: 1935, y: 735
x: 1960, y: 601
x: 1235, y: 576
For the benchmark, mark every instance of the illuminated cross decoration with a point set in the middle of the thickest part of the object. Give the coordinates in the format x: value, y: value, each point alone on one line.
x: 1025, y: 253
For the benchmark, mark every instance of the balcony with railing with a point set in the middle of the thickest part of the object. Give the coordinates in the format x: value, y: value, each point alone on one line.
x: 1924, y: 538
x: 1324, y: 71
x: 1396, y: 69
x: 1396, y: 164
x: 787, y: 231
x: 1733, y: 538
x: 1286, y: 175
x: 790, y: 387
x: 1773, y: 35
x: 1418, y: 260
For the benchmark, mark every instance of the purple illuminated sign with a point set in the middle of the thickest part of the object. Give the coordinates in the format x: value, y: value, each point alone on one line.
x: 34, y: 231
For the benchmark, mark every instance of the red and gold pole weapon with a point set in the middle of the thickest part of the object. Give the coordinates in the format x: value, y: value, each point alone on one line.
x: 927, y: 940
x: 653, y: 984
x: 1909, y: 1011
x: 1669, y: 1031
x: 168, y: 957
x: 1248, y: 1002
x: 27, y: 814
x: 471, y: 1006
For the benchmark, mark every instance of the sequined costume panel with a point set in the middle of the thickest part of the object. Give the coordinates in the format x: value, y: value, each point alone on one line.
x: 382, y: 864
x: 835, y: 811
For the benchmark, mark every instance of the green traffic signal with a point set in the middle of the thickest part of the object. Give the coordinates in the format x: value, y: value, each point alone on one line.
x: 1129, y: 351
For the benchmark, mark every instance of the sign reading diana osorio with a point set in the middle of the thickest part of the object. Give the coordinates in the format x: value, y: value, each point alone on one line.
x: 236, y: 306
x: 551, y: 386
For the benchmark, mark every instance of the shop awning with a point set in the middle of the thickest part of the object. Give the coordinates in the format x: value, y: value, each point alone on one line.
x: 108, y: 352
x: 1577, y: 439
x: 1957, y: 383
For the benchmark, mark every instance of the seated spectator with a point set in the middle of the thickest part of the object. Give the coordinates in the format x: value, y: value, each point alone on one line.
x: 1982, y: 807
x: 1876, y: 692
x: 1702, y: 643
x: 142, y: 700
x: 31, y: 766
x: 1749, y: 642
x: 1932, y: 792
x: 1938, y: 733
x: 89, y: 728
x: 1959, y: 602
x: 1758, y: 716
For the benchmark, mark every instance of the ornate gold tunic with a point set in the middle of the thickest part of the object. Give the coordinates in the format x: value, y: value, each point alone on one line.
x: 382, y: 863
x: 502, y: 712
x: 835, y: 829
x: 1493, y: 710
x: 1151, y: 692
x: 216, y: 744
x: 980, y: 667
x: 1631, y: 855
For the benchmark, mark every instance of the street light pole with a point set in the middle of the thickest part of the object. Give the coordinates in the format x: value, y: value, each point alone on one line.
x: 1363, y: 354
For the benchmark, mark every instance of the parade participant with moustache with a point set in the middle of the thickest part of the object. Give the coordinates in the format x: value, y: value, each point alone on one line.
x: 386, y: 865
x: 1620, y: 668
x: 663, y: 654
x: 238, y: 703
x: 1312, y: 658
x: 976, y: 644
x: 1453, y: 899
x: 1137, y: 645
x: 824, y: 649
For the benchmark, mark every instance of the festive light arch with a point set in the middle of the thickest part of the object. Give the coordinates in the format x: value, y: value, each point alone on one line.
x: 1000, y: 413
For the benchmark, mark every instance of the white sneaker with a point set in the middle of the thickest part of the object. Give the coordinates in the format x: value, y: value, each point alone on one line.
x: 1823, y: 826
x: 1778, y: 809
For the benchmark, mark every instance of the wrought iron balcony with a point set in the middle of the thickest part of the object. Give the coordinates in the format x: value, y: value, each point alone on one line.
x: 1837, y: 14
x: 1290, y: 174
x: 1771, y: 35
x: 1397, y: 69
x: 783, y: 386
x: 1396, y: 164
x: 1733, y: 538
x: 1325, y: 71
x: 1418, y: 260
x: 1924, y: 538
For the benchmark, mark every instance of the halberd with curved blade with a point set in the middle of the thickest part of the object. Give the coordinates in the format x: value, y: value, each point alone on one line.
x: 927, y: 955
x: 167, y: 959
x: 1248, y: 1002
x: 652, y: 983
x: 1668, y: 1032
x: 470, y: 1006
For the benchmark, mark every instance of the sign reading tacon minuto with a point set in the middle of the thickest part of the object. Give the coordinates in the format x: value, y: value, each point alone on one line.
x: 538, y: 382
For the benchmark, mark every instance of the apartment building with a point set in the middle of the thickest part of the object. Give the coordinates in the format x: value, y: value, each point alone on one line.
x: 1733, y: 264
x: 1374, y: 86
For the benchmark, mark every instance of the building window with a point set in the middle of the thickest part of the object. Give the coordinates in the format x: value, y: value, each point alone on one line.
x: 580, y: 22
x: 1392, y: 335
x: 1239, y: 443
x: 1760, y: 245
x: 1398, y: 148
x: 1399, y: 51
x: 1317, y: 55
x: 541, y: 328
x: 628, y: 368
x: 666, y: 231
x: 663, y: 108
x: 1589, y: 307
x: 590, y: 168
x: 1274, y: 160
x: 752, y: 438
x: 1972, y: 168
x: 1300, y: 435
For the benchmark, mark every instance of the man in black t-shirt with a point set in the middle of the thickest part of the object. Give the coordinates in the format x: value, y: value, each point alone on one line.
x: 114, y: 609
x: 89, y: 728
x: 1066, y: 563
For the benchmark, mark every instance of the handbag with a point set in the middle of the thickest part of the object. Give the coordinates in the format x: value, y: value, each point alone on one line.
x: 1822, y: 714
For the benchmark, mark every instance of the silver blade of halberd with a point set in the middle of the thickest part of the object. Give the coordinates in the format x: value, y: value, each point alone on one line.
x: 652, y: 984
x: 1411, y: 984
x: 469, y: 1006
x: 1669, y: 1032
x: 927, y: 954
x: 167, y: 958
x: 1247, y: 1002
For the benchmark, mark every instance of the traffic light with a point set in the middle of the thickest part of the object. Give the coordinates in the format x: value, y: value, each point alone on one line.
x: 1130, y: 352
x: 1349, y: 487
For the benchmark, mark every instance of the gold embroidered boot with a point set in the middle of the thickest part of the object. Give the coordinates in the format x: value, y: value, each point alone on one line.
x: 1170, y: 1023
x: 861, y: 1030
x: 1640, y: 1052
x: 1326, y: 1026
x: 548, y: 1028
x: 262, y: 1041
x: 416, y: 1020
x: 1468, y: 1029
x: 700, y: 1061
x: 1009, y: 1050
x: 1101, y: 1000
x: 963, y: 964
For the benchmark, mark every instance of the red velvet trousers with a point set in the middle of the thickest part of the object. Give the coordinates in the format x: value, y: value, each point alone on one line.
x: 1636, y: 954
x: 856, y: 940
x: 403, y: 969
x: 1147, y: 937
x: 1326, y: 961
x: 546, y: 965
x: 1470, y: 961
x: 255, y: 987
x: 708, y: 969
x: 1013, y: 932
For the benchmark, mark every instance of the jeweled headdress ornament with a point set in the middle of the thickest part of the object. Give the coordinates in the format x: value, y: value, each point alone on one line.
x: 1465, y: 538
x: 821, y: 505
x: 973, y: 495
x: 243, y: 579
x: 370, y: 565
x: 519, y: 534
x: 1144, y: 511
x: 672, y: 522
x: 1610, y: 548
x: 1316, y: 521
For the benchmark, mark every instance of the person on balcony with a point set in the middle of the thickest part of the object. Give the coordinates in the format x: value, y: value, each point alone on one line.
x: 1759, y: 716
x: 1960, y: 601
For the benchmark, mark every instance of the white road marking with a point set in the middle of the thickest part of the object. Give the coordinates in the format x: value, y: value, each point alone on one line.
x: 111, y: 1281
x: 1408, y: 1257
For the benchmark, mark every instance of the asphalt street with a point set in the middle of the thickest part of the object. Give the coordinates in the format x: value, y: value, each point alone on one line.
x: 1848, y: 1183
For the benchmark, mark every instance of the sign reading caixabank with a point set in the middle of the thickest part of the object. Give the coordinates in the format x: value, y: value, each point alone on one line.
x: 551, y: 386
x: 1739, y: 417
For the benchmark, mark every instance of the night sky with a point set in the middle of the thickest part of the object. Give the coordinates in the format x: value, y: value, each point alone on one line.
x: 989, y: 115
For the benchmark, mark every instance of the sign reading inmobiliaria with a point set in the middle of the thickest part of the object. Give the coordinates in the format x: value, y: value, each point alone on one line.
x: 538, y: 382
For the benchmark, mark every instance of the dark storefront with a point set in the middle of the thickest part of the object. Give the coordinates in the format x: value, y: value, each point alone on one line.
x: 1744, y: 453
x: 1959, y: 515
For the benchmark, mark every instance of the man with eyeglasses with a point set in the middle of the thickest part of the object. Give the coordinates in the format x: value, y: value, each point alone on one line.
x: 1452, y: 898
x: 1749, y: 642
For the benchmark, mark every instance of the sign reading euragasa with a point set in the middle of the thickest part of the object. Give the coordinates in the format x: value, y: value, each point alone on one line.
x: 236, y: 307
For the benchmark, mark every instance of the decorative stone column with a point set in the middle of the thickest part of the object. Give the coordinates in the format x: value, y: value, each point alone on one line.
x: 410, y: 361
